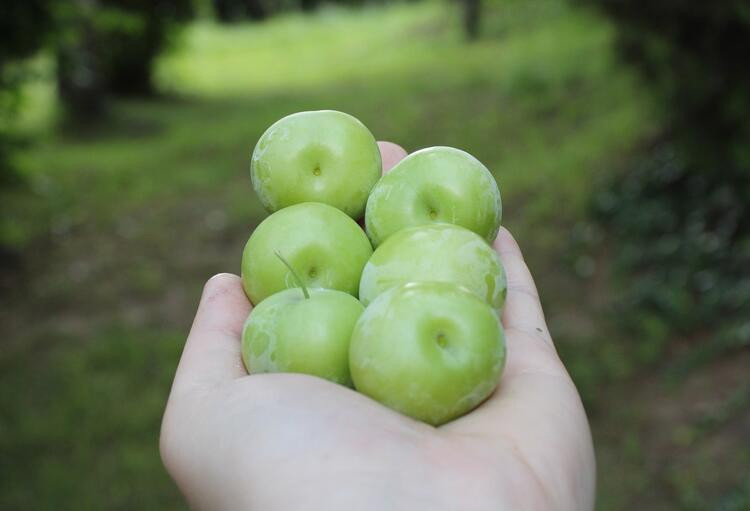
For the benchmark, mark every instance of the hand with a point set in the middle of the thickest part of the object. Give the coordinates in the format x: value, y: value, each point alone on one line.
x: 295, y: 442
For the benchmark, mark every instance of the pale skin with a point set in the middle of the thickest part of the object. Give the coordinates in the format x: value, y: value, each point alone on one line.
x: 288, y: 441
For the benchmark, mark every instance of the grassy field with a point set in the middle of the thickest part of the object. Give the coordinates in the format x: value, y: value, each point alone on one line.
x: 123, y: 222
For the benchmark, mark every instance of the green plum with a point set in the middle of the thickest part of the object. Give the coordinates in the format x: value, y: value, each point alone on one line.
x: 430, y: 350
x: 435, y: 252
x: 289, y: 332
x: 323, y: 244
x: 437, y: 184
x: 321, y: 156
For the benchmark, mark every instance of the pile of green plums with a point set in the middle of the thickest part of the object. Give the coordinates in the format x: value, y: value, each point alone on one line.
x: 405, y: 311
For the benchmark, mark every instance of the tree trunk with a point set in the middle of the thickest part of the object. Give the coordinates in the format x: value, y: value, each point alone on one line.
x: 308, y: 5
x: 472, y: 14
x: 256, y: 10
x: 228, y: 11
x: 225, y: 11
x: 78, y: 73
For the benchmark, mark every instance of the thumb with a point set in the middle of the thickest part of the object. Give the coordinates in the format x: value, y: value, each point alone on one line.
x: 212, y: 351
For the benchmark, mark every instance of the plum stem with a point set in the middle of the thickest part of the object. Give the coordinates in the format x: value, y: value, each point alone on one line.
x: 296, y: 277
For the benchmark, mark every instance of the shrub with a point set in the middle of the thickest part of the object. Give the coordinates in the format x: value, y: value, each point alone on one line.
x: 677, y: 215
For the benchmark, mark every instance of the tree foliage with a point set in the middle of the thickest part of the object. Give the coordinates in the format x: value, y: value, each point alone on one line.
x: 678, y: 214
x: 24, y: 26
x: 109, y: 47
x: 695, y: 57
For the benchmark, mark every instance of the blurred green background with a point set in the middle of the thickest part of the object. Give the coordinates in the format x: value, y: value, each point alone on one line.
x: 618, y: 132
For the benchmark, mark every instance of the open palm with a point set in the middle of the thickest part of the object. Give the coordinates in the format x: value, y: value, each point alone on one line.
x: 294, y: 442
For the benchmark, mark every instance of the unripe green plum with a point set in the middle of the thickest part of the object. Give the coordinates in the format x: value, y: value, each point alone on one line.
x: 321, y: 156
x: 290, y: 333
x: 435, y: 252
x: 326, y: 247
x: 435, y: 185
x: 430, y: 350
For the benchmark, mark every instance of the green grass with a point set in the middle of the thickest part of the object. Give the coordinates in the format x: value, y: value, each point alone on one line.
x: 123, y: 222
x: 82, y: 433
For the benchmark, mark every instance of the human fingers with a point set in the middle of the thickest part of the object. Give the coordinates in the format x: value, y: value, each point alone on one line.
x: 536, y: 412
x: 212, y: 351
x: 391, y: 154
x: 523, y: 310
